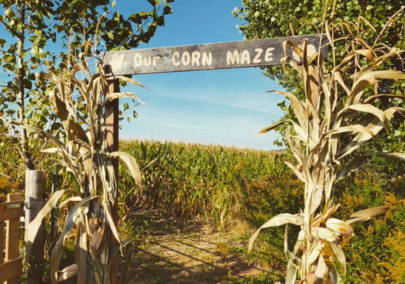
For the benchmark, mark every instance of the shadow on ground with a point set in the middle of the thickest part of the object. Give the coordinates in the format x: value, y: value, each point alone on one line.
x: 174, y: 251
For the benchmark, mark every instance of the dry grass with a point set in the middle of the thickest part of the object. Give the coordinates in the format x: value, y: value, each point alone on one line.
x: 175, y: 251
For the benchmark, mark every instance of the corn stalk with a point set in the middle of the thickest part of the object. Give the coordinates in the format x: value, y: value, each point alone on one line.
x: 78, y: 99
x: 328, y: 129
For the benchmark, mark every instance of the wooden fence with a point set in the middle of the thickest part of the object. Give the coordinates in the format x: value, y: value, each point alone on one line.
x: 10, y: 260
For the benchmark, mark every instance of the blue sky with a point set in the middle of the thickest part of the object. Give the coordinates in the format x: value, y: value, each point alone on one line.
x: 224, y: 107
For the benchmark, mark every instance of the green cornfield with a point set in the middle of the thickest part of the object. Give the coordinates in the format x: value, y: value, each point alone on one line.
x: 189, y: 180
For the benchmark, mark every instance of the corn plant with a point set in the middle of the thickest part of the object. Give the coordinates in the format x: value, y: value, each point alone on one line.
x: 188, y: 181
x: 332, y: 123
x: 78, y: 98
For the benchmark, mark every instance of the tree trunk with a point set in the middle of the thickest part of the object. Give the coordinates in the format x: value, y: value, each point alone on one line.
x: 21, y: 74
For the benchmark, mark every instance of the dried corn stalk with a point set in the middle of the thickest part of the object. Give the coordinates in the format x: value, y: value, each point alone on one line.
x: 329, y: 126
x: 78, y: 99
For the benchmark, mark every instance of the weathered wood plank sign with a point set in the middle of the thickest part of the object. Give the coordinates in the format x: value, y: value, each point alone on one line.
x: 226, y: 55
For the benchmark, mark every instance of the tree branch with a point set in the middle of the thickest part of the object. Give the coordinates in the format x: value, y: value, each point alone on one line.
x: 14, y: 33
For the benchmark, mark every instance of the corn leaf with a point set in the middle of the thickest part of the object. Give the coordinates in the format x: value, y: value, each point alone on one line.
x: 379, y: 96
x: 276, y: 221
x: 367, y: 214
x: 368, y: 78
x: 375, y: 125
x: 298, y: 108
x: 321, y: 268
x: 50, y: 150
x: 125, y: 269
x: 112, y: 96
x: 59, y: 106
x: 337, y: 250
x: 73, y: 214
x: 33, y: 227
x: 296, y: 171
x: 129, y: 80
x: 271, y: 127
x: 81, y: 252
x: 111, y: 223
x: 131, y: 164
x: 333, y: 275
x: 358, y: 161
x: 71, y: 199
x: 291, y: 273
x: 68, y: 272
x: 77, y: 131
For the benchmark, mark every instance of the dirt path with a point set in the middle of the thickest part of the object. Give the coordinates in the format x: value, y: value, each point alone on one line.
x: 190, y: 252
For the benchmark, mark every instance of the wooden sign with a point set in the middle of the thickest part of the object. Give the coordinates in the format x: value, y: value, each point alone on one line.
x: 226, y: 55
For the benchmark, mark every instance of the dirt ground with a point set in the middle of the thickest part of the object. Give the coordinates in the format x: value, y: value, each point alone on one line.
x: 172, y: 251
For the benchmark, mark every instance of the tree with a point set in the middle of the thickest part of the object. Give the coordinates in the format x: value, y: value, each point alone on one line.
x: 331, y: 123
x: 34, y: 28
x: 362, y: 22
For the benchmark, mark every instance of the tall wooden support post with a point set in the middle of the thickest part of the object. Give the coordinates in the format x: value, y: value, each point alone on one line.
x: 112, y: 137
x: 34, y: 197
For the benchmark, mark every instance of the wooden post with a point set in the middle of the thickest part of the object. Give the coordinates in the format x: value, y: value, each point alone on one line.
x: 34, y: 196
x: 13, y: 238
x: 112, y: 137
x: 2, y: 199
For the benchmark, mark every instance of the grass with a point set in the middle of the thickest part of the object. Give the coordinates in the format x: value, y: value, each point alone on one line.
x: 190, y: 251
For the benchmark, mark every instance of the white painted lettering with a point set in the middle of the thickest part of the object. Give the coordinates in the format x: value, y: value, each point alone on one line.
x: 195, y: 58
x: 245, y: 57
x: 176, y: 56
x: 269, y: 54
x: 259, y: 52
x: 232, y: 58
x: 207, y: 59
x: 185, y: 58
x: 147, y: 61
x: 138, y: 60
x: 155, y: 59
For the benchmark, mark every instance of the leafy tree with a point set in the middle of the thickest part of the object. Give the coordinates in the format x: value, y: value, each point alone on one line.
x: 354, y: 102
x: 360, y: 22
x: 35, y: 27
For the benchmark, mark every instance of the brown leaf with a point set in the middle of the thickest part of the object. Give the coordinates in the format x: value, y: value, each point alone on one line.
x: 366, y: 214
x: 276, y: 221
x: 68, y: 272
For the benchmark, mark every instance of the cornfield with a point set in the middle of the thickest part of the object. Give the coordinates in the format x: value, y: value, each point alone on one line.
x: 188, y: 180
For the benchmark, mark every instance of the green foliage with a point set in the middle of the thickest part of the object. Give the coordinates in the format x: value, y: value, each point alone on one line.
x: 34, y: 29
x: 9, y: 185
x: 374, y: 252
x: 355, y: 19
x: 265, y: 278
x: 191, y: 180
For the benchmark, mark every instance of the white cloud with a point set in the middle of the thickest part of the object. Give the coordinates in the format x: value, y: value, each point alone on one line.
x: 265, y: 102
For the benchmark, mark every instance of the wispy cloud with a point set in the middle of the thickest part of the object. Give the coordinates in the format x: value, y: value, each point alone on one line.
x: 266, y: 103
x: 193, y: 124
x: 224, y: 107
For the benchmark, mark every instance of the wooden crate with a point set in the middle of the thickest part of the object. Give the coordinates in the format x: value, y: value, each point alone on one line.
x: 10, y: 260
